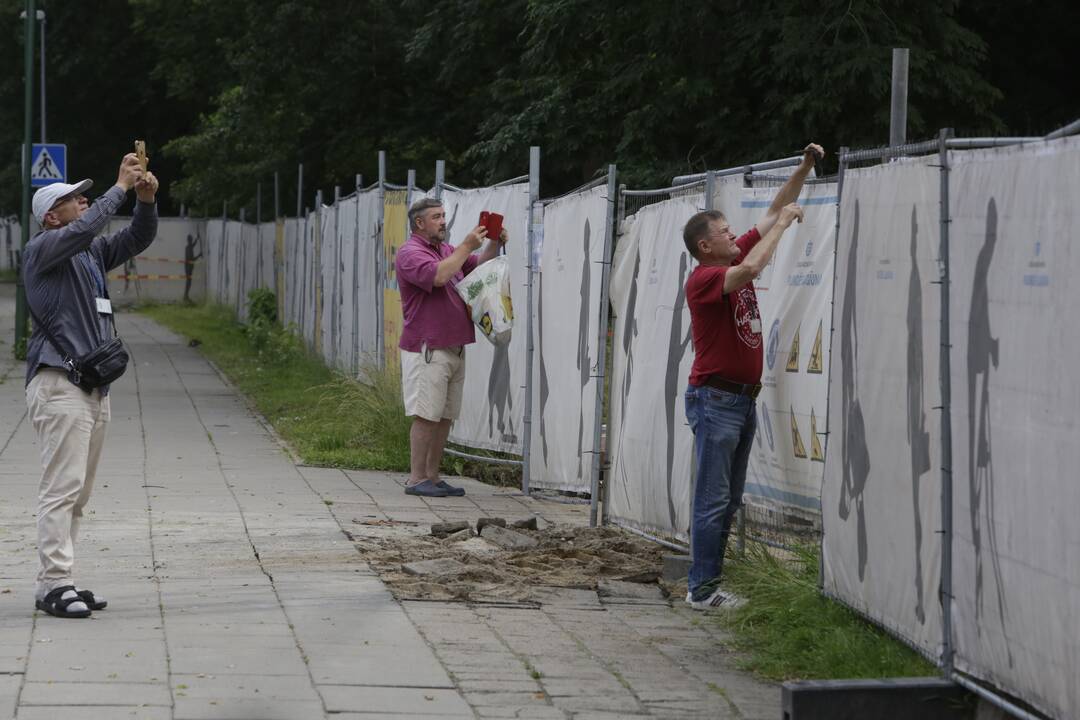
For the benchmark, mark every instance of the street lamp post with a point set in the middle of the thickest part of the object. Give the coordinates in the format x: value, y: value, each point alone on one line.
x: 40, y: 16
x: 28, y: 101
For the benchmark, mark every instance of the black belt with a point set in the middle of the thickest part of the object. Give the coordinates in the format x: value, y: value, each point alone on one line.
x: 727, y: 386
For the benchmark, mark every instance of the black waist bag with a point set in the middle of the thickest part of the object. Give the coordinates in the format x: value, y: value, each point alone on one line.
x: 100, y: 366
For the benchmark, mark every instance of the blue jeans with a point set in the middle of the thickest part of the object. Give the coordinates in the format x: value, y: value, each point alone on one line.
x: 723, y: 424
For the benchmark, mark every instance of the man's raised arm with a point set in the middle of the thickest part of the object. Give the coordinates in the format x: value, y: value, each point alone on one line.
x: 789, y: 192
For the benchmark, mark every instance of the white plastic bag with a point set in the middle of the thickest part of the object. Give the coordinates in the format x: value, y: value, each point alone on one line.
x: 486, y: 292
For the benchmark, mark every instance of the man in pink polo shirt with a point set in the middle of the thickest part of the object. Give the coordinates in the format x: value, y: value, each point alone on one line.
x: 436, y: 330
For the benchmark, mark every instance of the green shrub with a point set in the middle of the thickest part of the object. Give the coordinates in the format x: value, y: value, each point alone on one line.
x: 272, y: 343
x: 262, y: 305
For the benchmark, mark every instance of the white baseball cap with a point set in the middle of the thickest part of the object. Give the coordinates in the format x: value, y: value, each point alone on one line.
x: 46, y: 197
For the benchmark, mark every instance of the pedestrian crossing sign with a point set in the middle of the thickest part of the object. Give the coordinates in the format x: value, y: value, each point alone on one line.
x: 48, y: 164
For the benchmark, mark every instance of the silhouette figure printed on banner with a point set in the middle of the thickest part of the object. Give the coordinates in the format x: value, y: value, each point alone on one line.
x: 131, y: 272
x: 855, y: 463
x: 676, y: 350
x: 500, y: 399
x: 981, y: 356
x: 545, y: 390
x: 629, y: 334
x: 630, y: 330
x: 189, y: 263
x: 917, y: 436
x: 584, y: 362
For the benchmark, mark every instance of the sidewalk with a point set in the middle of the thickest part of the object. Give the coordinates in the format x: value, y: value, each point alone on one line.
x: 235, y: 592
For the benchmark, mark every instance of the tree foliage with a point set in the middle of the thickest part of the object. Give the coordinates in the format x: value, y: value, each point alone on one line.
x: 229, y: 93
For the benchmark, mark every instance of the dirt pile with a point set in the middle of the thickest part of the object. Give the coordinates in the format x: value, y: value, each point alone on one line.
x: 563, y: 557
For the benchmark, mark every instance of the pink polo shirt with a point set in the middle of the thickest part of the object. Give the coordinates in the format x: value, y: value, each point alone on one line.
x: 435, y: 315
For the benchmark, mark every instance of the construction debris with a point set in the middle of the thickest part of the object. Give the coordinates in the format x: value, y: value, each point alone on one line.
x: 508, y: 539
x: 485, y: 521
x: 441, y: 530
x: 564, y: 564
x: 526, y: 524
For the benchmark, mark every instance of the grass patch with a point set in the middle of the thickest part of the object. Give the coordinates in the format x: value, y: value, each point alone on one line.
x: 789, y: 630
x: 328, y: 419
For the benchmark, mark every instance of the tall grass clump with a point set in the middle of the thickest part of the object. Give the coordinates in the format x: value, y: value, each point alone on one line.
x: 788, y: 629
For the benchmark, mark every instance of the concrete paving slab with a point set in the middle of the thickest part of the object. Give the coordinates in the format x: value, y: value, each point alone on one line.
x: 95, y: 712
x: 388, y: 700
x: 247, y: 709
x: 96, y: 693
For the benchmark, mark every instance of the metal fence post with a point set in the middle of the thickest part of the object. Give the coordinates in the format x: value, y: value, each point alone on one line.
x: 335, y: 314
x: 832, y: 301
x: 300, y: 192
x: 945, y: 374
x: 279, y: 253
x: 317, y: 275
x: 622, y: 208
x: 899, y: 101
x: 258, y: 234
x: 710, y: 190
x: 222, y: 269
x: 380, y: 256
x: 601, y: 363
x: 241, y: 256
x: 305, y: 250
x: 355, y: 366
x: 530, y: 347
x: 440, y: 178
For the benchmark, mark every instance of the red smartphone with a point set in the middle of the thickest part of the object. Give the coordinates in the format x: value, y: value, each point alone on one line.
x: 493, y: 222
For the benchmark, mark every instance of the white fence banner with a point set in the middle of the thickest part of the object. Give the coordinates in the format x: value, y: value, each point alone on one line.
x: 493, y: 404
x: 292, y: 230
x: 649, y: 442
x: 881, y: 498
x: 794, y: 297
x: 567, y: 322
x: 329, y: 282
x: 358, y: 320
x: 1015, y: 409
x: 215, y: 276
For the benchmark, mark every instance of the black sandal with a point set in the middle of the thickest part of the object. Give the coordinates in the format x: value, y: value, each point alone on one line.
x: 57, y: 605
x: 92, y: 602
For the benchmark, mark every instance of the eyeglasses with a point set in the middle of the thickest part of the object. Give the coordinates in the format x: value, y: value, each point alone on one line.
x: 63, y: 200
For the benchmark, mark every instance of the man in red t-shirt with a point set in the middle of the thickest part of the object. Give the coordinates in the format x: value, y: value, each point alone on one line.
x: 726, y: 374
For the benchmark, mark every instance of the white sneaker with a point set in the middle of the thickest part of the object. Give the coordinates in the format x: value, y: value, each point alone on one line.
x: 718, y: 600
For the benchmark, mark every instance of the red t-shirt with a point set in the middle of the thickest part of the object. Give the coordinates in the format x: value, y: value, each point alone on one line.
x: 726, y: 328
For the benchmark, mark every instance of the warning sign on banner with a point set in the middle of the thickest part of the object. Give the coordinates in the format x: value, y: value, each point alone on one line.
x: 816, y: 453
x: 793, y: 354
x: 815, y: 354
x: 796, y: 438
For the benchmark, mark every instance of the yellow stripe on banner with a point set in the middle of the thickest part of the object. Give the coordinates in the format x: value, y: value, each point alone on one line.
x: 395, y: 223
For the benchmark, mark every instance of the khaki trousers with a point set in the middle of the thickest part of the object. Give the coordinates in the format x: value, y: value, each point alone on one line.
x: 70, y: 426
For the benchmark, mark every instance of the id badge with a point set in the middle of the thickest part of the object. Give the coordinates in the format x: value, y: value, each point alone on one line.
x: 104, y: 306
x: 755, y: 326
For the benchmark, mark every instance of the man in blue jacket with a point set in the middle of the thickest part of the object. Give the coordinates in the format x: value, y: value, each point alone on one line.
x: 64, y: 270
